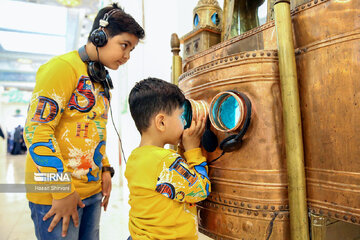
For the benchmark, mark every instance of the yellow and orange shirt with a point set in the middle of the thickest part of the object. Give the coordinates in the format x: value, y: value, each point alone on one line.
x: 164, y: 188
x: 65, y: 130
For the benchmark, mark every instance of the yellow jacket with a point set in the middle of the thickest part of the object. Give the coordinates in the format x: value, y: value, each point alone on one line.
x: 164, y: 188
x: 65, y: 130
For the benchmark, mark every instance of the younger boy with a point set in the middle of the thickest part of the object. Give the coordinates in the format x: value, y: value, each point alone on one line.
x: 164, y: 186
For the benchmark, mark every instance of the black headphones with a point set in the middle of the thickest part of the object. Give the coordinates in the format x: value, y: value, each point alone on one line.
x: 233, y: 142
x: 97, y: 72
x: 99, y: 37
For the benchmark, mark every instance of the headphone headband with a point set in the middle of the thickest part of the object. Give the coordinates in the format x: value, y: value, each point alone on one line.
x: 99, y: 37
x: 105, y: 20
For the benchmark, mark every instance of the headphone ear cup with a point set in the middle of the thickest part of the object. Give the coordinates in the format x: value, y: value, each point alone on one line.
x: 209, y: 141
x: 230, y: 143
x: 97, y: 71
x: 98, y: 37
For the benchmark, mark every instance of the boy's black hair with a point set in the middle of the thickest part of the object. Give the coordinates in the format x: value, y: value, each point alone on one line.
x: 150, y: 96
x: 119, y: 22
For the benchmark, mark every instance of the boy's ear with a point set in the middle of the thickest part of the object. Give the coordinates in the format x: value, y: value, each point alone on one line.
x: 160, y: 121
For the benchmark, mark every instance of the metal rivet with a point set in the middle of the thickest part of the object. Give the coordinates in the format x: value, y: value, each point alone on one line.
x: 309, y: 4
x: 230, y: 202
x: 248, y: 213
x: 234, y: 210
x: 235, y: 203
x: 262, y: 54
x: 264, y: 214
x: 236, y: 57
x: 266, y: 207
x: 242, y: 204
x: 256, y: 213
x: 248, y: 55
x: 337, y: 215
x: 316, y: 1
x: 281, y: 207
x: 231, y: 59
x: 353, y: 219
x: 225, y: 201
x: 257, y: 206
x: 254, y: 54
x: 346, y: 217
x: 225, y: 60
x: 249, y: 205
x: 223, y: 208
x: 329, y: 214
x: 302, y: 7
x: 272, y: 207
x: 268, y: 54
x: 229, y: 210
x: 221, y: 61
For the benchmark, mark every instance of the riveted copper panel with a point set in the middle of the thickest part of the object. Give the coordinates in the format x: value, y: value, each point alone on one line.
x: 328, y: 70
x: 249, y: 185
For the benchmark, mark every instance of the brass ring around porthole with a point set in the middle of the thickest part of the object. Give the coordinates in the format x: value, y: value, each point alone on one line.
x: 193, y: 110
x: 227, y: 111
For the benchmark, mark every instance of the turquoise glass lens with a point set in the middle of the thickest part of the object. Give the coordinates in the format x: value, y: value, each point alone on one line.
x: 187, y: 114
x: 229, y: 112
x: 196, y: 20
x: 215, y: 19
x: 226, y: 112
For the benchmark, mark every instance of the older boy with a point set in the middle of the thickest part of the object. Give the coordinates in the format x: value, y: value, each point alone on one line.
x: 164, y: 186
x: 65, y: 130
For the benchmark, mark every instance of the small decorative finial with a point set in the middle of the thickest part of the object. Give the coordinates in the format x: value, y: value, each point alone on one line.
x: 175, y: 44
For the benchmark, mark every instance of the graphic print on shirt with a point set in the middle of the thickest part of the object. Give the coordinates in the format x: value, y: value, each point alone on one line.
x: 106, y: 105
x: 46, y: 160
x: 84, y: 99
x: 86, y: 164
x: 183, y: 171
x: 182, y: 183
x: 166, y: 189
x: 97, y: 160
x: 82, y: 130
x: 46, y: 110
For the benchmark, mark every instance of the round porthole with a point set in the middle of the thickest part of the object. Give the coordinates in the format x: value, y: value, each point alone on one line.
x: 227, y: 111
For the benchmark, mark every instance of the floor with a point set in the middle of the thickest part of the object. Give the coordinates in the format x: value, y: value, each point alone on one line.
x: 15, y: 220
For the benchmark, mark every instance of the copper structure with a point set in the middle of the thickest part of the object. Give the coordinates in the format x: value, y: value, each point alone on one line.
x: 206, y: 31
x: 249, y: 198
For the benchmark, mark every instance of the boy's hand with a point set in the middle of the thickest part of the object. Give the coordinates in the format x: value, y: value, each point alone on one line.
x: 106, y: 189
x: 64, y: 208
x: 191, y: 136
